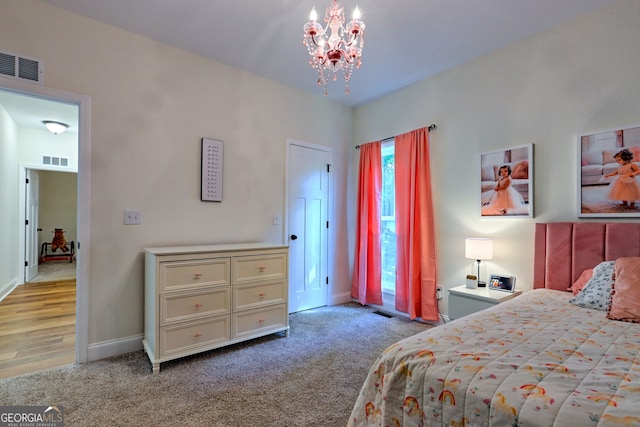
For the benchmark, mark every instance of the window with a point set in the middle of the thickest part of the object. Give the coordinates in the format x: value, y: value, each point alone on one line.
x: 388, y: 220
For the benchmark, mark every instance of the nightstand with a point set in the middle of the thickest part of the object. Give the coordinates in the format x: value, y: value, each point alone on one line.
x: 463, y: 300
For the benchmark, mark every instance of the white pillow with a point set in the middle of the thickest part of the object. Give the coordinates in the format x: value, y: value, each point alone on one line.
x: 593, y: 157
x: 488, y: 174
x: 597, y: 292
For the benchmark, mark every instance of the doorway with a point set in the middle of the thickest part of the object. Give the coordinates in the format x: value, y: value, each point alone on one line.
x: 51, y: 203
x: 308, y: 169
x: 81, y: 104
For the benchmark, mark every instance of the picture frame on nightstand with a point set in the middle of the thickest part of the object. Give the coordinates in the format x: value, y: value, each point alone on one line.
x: 502, y: 283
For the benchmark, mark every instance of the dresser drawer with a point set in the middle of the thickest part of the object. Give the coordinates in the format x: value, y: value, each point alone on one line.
x: 180, y: 307
x: 251, y: 296
x: 258, y: 321
x: 189, y: 336
x: 180, y: 274
x: 259, y: 267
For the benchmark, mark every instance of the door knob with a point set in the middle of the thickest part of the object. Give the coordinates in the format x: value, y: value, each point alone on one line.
x: 294, y: 237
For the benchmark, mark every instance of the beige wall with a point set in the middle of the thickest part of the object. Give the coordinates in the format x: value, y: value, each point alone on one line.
x: 580, y: 77
x: 150, y: 106
x: 58, y: 205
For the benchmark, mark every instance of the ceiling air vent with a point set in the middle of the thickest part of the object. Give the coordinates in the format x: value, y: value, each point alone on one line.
x: 21, y: 67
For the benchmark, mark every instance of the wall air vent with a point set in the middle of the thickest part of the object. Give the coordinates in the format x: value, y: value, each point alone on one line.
x: 55, y: 161
x: 21, y: 67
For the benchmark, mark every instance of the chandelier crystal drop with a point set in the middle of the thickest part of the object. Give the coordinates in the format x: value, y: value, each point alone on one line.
x: 334, y: 48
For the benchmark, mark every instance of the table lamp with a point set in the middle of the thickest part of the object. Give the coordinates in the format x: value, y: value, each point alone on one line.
x: 478, y: 248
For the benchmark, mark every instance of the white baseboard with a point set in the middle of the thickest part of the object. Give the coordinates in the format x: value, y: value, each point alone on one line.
x: 115, y: 347
x: 341, y: 298
x: 7, y: 288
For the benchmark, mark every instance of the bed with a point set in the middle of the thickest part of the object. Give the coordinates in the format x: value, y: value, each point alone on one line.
x: 535, y: 360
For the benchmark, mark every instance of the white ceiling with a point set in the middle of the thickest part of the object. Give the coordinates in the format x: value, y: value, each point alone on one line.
x: 405, y: 40
x: 29, y: 111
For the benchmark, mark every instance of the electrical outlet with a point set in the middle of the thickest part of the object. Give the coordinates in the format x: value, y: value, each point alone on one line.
x: 439, y: 292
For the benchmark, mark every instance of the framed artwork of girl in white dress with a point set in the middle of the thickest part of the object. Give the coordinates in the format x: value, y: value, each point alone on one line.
x: 506, y: 188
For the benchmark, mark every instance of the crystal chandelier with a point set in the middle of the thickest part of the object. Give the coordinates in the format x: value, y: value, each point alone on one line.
x: 336, y: 47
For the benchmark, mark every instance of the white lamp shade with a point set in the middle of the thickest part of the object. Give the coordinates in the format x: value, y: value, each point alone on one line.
x: 478, y: 248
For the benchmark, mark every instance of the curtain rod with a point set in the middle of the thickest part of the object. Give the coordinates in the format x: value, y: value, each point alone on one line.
x: 429, y: 128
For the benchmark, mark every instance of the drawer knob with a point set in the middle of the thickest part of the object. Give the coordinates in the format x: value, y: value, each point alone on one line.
x: 262, y: 295
x: 197, y: 305
x: 197, y: 335
x: 261, y: 321
x: 197, y: 275
x: 262, y: 269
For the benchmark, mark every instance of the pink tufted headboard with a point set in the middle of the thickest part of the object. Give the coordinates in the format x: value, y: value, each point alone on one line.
x: 562, y: 250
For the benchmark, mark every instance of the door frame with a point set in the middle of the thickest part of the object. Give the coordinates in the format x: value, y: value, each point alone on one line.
x: 84, y: 200
x: 330, y: 216
x: 22, y: 213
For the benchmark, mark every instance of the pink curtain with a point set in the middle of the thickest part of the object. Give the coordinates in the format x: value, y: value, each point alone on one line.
x: 366, y: 285
x: 415, y: 232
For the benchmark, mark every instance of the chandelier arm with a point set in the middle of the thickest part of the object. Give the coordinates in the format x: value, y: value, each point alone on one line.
x: 346, y: 57
x: 352, y: 39
x: 313, y: 39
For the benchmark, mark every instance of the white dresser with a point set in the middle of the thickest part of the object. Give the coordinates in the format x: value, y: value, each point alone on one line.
x: 202, y: 297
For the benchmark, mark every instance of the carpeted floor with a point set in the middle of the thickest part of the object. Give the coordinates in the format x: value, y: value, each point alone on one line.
x: 55, y: 270
x: 311, y: 378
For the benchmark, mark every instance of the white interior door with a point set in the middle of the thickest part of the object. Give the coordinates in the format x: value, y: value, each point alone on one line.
x: 32, y: 192
x: 308, y: 226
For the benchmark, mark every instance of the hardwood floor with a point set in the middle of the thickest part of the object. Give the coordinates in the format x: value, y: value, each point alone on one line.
x: 37, y: 327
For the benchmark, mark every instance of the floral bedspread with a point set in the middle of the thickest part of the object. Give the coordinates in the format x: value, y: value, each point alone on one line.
x: 535, y: 360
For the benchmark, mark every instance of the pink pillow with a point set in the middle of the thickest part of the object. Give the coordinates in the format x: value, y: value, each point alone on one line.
x: 521, y: 170
x: 625, y: 296
x: 581, y: 281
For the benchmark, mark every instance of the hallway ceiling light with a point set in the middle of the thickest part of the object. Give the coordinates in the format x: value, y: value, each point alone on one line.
x: 334, y: 47
x: 55, y: 127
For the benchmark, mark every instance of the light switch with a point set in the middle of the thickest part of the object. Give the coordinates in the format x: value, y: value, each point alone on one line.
x: 132, y: 218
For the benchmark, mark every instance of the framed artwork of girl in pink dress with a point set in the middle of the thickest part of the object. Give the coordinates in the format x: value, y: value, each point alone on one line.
x: 609, y: 181
x: 506, y: 188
